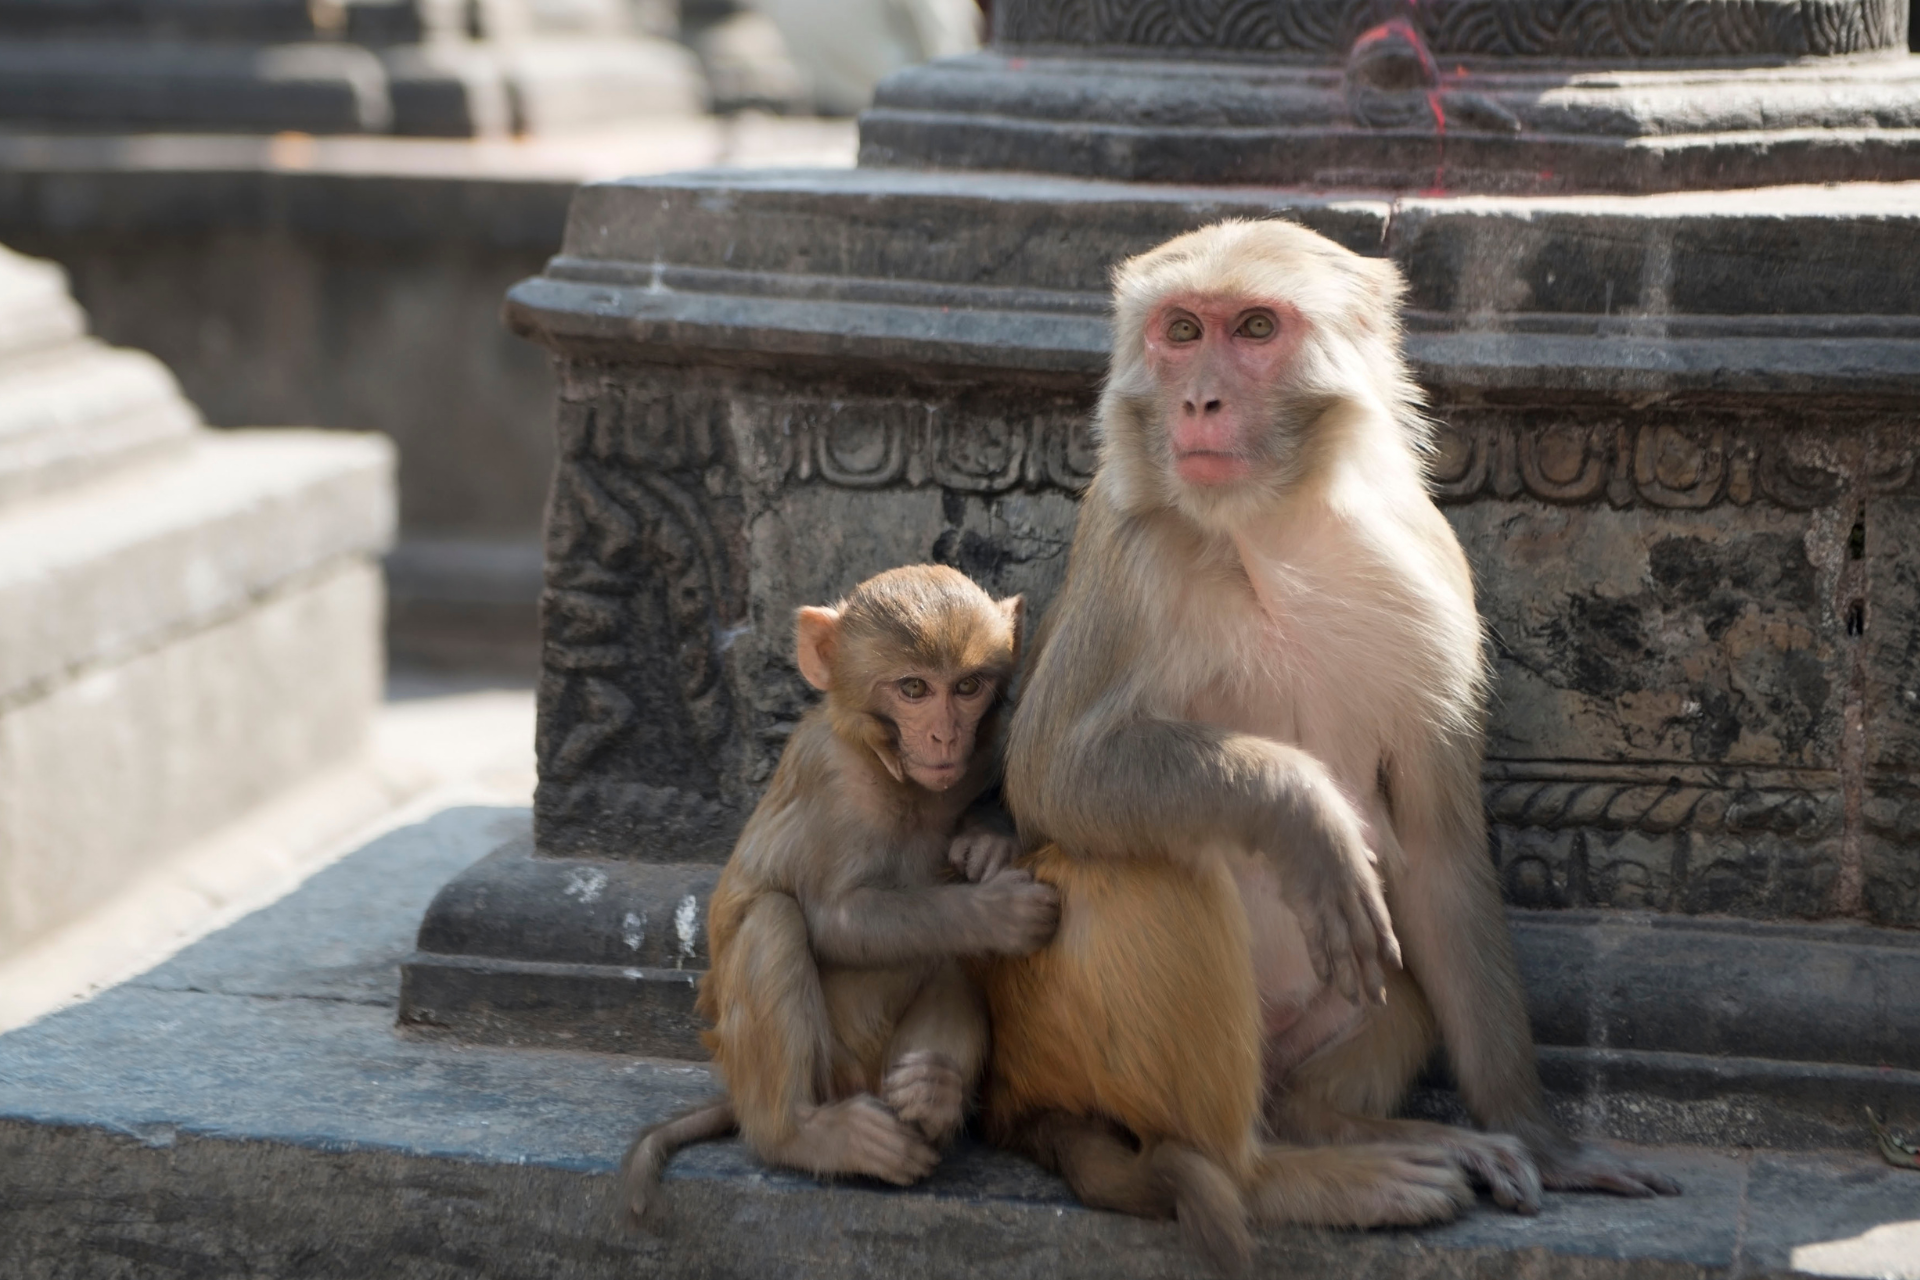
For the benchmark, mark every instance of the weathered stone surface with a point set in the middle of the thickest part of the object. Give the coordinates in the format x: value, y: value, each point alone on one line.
x: 246, y: 1109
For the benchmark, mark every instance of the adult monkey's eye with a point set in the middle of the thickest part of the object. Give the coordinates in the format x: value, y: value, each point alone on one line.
x: 913, y: 688
x: 1257, y: 325
x: 1183, y: 329
x: 968, y: 687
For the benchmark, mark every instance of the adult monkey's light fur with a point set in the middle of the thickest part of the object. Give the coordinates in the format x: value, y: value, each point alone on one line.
x: 1262, y: 680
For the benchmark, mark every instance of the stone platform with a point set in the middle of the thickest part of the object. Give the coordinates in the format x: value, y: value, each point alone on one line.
x: 247, y: 1109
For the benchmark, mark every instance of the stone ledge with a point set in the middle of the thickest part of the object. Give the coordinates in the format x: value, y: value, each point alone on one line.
x: 1652, y: 1028
x: 95, y: 573
x: 1621, y: 298
x: 246, y: 1109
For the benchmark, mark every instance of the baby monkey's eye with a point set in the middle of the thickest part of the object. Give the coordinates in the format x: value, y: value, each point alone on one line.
x: 1183, y: 329
x: 914, y: 688
x: 968, y: 687
x: 1257, y: 325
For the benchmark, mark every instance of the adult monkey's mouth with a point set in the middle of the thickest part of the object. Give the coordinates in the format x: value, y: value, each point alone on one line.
x: 1208, y: 467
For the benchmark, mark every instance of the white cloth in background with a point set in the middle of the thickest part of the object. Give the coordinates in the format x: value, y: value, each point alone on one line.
x: 846, y: 47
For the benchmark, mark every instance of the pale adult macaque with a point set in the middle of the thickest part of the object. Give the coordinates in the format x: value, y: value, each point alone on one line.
x: 849, y: 1036
x: 1256, y: 704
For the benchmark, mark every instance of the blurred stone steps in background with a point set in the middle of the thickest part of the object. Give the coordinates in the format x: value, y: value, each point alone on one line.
x: 422, y: 67
x: 355, y: 282
x: 189, y: 620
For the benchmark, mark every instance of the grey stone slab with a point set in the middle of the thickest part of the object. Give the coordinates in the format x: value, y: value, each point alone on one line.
x: 248, y: 1109
x: 334, y: 939
x: 1808, y: 1201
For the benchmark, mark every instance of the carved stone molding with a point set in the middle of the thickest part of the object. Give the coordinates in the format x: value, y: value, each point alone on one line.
x: 1577, y: 29
x: 885, y: 443
x: 1656, y: 808
x: 1664, y: 464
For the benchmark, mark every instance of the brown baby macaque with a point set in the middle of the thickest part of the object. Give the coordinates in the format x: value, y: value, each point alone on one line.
x: 1248, y: 755
x: 847, y: 1031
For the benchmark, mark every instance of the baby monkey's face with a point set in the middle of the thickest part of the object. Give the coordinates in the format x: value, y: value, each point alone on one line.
x: 937, y: 716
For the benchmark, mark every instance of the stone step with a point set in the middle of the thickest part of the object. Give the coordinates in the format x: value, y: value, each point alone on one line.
x: 76, y: 412
x: 248, y: 1108
x: 72, y: 409
x: 35, y: 309
x: 91, y: 574
x: 453, y: 88
x: 1654, y: 1028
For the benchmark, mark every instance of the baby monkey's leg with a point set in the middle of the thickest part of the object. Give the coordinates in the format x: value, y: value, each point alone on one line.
x: 937, y: 1054
x: 774, y: 1045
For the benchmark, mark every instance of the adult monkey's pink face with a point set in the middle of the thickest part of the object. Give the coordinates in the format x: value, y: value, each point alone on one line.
x: 1219, y: 362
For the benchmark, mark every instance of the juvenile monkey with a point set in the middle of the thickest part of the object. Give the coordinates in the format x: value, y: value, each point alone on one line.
x: 848, y: 1034
x: 1258, y: 702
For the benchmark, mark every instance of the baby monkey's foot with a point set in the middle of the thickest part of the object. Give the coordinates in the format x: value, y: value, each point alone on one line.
x: 925, y: 1089
x: 859, y: 1135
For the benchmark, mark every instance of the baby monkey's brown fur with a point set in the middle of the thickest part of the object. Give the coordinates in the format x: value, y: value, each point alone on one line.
x: 848, y: 1034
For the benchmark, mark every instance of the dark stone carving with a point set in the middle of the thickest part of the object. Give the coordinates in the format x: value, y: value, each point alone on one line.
x: 1586, y: 29
x: 641, y: 597
x: 916, y: 443
x: 1571, y: 458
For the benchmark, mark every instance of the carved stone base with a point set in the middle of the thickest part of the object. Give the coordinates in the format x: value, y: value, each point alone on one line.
x: 590, y: 953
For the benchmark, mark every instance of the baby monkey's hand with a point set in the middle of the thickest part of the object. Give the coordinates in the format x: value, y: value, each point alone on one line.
x: 1017, y: 913
x: 978, y: 853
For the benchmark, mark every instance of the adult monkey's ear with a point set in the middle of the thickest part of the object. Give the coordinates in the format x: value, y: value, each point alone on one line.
x: 1014, y: 610
x: 817, y: 633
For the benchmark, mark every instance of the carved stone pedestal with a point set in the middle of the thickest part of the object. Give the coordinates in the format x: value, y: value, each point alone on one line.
x: 1678, y: 445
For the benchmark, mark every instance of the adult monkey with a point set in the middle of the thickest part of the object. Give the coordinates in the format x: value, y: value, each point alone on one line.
x: 1263, y: 678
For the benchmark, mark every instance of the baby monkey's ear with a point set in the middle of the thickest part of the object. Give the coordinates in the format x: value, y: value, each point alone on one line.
x: 1014, y: 610
x: 817, y: 633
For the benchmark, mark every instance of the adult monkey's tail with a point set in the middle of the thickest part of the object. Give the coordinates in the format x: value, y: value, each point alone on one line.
x: 639, y: 1183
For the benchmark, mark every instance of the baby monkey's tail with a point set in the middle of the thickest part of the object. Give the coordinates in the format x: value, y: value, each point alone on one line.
x: 638, y: 1189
